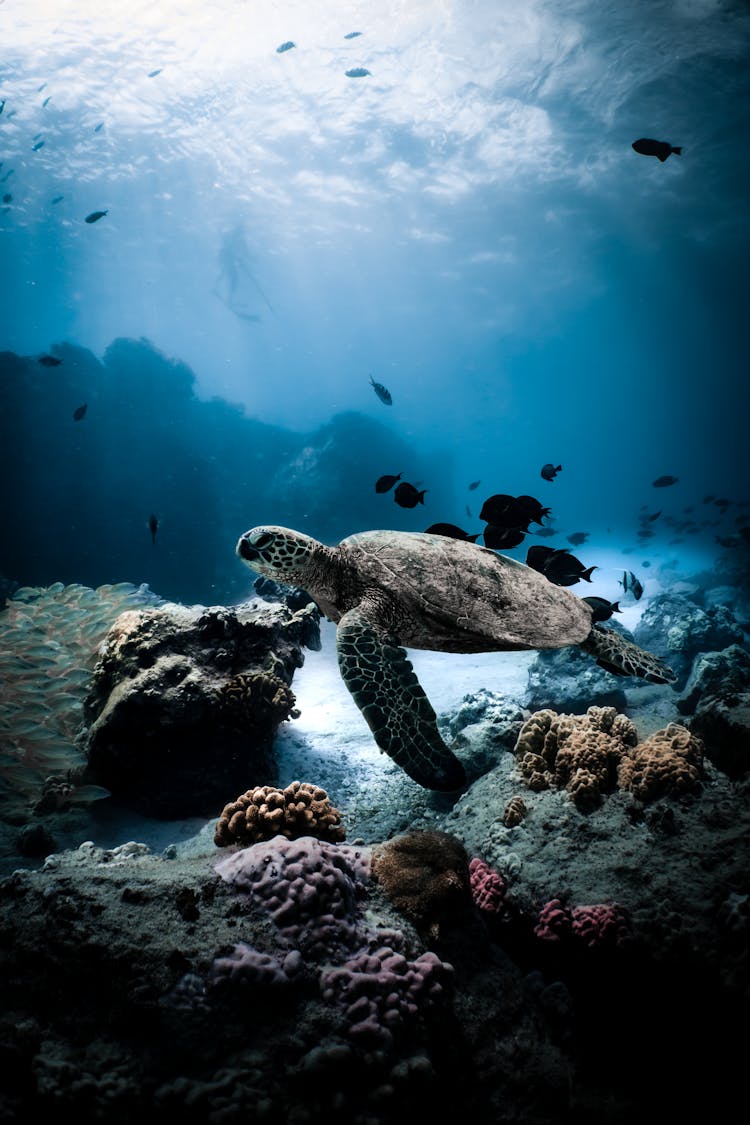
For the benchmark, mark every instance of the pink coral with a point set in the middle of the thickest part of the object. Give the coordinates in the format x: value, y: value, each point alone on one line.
x: 605, y: 924
x: 488, y: 888
x: 554, y: 922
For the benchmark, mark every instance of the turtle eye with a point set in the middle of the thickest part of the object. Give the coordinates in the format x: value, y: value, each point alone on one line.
x: 263, y: 540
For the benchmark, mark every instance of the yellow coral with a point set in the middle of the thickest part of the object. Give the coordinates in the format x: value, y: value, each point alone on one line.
x: 669, y: 762
x: 301, y: 809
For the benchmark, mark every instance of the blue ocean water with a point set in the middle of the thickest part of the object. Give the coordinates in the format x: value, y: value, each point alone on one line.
x: 447, y: 202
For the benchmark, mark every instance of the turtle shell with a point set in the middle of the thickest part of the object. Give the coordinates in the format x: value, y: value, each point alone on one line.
x: 453, y: 596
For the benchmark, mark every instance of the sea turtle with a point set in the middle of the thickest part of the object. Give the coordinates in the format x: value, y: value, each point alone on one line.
x: 385, y: 589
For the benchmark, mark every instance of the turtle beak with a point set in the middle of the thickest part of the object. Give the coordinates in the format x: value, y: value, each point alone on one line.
x: 245, y: 551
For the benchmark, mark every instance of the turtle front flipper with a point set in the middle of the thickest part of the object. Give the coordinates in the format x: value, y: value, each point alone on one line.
x: 616, y: 654
x: 396, y: 709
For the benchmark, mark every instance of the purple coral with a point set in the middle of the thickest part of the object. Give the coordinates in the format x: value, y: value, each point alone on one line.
x: 310, y: 888
x: 250, y: 967
x: 380, y: 991
x: 488, y: 888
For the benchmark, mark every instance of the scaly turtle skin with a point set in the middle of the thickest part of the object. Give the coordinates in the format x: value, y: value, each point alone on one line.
x: 388, y: 589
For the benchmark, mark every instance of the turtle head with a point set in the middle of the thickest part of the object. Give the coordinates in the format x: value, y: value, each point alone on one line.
x: 278, y: 553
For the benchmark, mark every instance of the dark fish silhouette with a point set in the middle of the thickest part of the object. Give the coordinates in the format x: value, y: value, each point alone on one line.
x: 46, y: 101
x: 451, y: 531
x: 79, y: 412
x: 558, y: 565
x: 502, y: 538
x: 518, y: 512
x: 660, y: 149
x: 474, y: 484
x: 407, y: 496
x: 645, y: 563
x: 99, y: 127
x: 664, y: 482
x: 357, y: 72
x: 153, y: 526
x: 95, y: 216
x: 383, y: 484
x: 578, y: 537
x: 37, y: 146
x: 153, y: 73
x: 653, y: 517
x: 352, y: 34
x: 49, y: 361
x: 2, y: 105
x: 550, y: 471
x: 58, y: 199
x: 602, y: 609
x: 728, y: 540
x: 382, y: 392
x: 285, y: 47
x: 631, y: 583
x: 7, y: 198
x: 545, y: 531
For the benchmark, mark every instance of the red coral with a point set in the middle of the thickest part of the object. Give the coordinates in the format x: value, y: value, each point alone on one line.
x: 488, y: 888
x: 555, y: 921
x: 605, y: 924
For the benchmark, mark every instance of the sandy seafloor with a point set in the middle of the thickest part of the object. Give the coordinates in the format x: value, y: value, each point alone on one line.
x: 680, y: 871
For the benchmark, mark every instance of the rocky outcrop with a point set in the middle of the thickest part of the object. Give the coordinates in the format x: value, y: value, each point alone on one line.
x: 185, y: 702
x: 677, y: 629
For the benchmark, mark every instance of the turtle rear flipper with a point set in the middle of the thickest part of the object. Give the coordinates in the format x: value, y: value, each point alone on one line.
x: 399, y: 714
x: 618, y: 655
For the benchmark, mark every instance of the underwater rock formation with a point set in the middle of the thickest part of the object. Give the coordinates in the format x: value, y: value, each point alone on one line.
x: 185, y: 702
x: 301, y: 809
x: 568, y: 680
x: 717, y: 695
x: 670, y: 762
x: 676, y: 628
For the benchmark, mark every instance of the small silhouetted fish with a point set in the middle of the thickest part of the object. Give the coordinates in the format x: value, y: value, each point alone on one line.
x: 383, y: 484
x: 602, y: 610
x: 468, y: 512
x: 46, y: 101
x: 153, y: 526
x: 645, y: 563
x: 352, y: 34
x: 660, y: 149
x: 664, y: 482
x: 474, y: 484
x: 407, y: 496
x: 356, y: 72
x: 728, y: 540
x: 550, y: 471
x: 578, y: 537
x: 382, y: 392
x: 502, y: 538
x: 58, y: 199
x: 285, y: 47
x: 37, y: 146
x: 7, y: 198
x: 708, y: 499
x: 79, y: 412
x: 558, y: 565
x: 49, y: 361
x: 451, y: 531
x: 653, y: 517
x: 153, y: 73
x: 631, y: 583
x: 2, y: 105
x: 722, y: 503
x: 99, y: 127
x: 95, y: 216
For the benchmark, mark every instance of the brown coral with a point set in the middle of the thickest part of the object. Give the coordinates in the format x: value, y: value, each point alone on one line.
x: 515, y: 811
x: 668, y: 763
x: 426, y: 876
x: 250, y: 697
x: 301, y: 809
x: 579, y: 753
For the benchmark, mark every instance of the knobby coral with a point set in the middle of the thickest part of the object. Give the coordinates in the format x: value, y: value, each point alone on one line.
x: 301, y: 809
x: 669, y: 762
x: 488, y: 888
x: 425, y: 875
x: 603, y: 925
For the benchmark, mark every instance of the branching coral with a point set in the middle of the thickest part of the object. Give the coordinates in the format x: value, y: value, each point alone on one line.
x: 579, y: 753
x: 301, y: 809
x: 669, y: 763
x: 425, y: 875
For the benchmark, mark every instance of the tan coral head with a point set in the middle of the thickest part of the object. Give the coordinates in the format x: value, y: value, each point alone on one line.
x: 277, y: 552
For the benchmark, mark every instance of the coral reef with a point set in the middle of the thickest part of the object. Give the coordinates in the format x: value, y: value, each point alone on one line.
x: 601, y: 926
x: 185, y: 702
x: 300, y: 809
x: 577, y: 753
x: 426, y: 877
x: 49, y: 641
x: 669, y: 762
x: 488, y: 888
x: 514, y: 812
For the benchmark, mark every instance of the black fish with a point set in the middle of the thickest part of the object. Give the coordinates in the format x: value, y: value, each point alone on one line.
x: 285, y: 47
x: 37, y: 146
x: 550, y: 471
x: 502, y: 538
x: 95, y: 216
x: 153, y: 526
x: 728, y: 540
x: 663, y: 482
x: 602, y: 609
x: 407, y: 496
x: 382, y: 392
x: 532, y: 508
x: 655, y: 516
x: 383, y: 484
x: 79, y: 412
x: 58, y: 199
x: 578, y: 537
x: 7, y: 198
x: 503, y: 510
x: 451, y: 531
x: 49, y: 361
x: 357, y: 72
x: 98, y: 127
x: 631, y: 583
x: 474, y: 484
x: 645, y: 563
x: 558, y: 565
x: 660, y: 149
